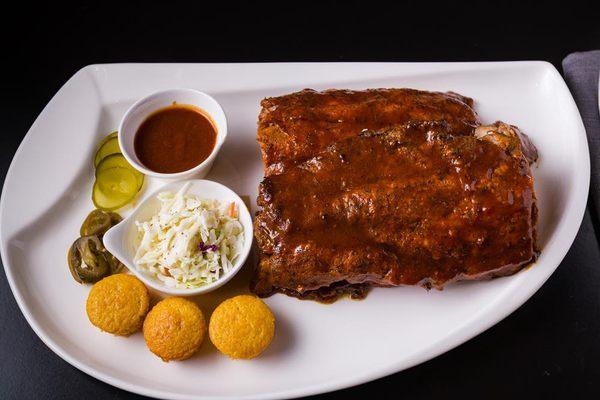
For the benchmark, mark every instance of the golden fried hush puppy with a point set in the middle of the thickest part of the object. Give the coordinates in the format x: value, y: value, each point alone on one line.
x: 174, y: 329
x: 242, y: 327
x: 118, y: 304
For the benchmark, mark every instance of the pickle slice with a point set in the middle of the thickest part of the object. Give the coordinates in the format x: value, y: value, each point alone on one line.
x: 108, y: 137
x: 117, y: 160
x: 114, y: 188
x: 111, y: 146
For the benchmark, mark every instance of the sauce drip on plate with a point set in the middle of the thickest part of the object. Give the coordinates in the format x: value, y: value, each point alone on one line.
x: 175, y: 139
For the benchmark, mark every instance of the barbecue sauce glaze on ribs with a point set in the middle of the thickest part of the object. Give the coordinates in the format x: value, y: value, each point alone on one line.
x: 388, y: 187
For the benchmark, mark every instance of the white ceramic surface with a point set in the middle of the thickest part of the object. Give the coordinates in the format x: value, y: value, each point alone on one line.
x: 141, y: 109
x: 317, y: 347
x: 121, y: 239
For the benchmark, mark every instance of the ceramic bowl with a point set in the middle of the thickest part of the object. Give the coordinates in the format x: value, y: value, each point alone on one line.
x: 121, y: 240
x: 144, y: 107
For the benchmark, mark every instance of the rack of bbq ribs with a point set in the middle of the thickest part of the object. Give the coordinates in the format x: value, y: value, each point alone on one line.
x: 388, y: 187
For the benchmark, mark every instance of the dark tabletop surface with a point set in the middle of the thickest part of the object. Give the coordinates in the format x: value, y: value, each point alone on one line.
x: 550, y: 347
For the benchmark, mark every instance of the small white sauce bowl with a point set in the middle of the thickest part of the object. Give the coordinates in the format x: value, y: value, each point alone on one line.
x: 121, y: 240
x: 143, y: 108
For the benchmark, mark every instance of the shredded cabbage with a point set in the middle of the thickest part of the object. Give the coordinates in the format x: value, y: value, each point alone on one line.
x: 190, y: 242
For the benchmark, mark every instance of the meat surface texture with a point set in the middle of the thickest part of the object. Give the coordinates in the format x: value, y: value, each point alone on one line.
x: 425, y: 197
x: 296, y: 126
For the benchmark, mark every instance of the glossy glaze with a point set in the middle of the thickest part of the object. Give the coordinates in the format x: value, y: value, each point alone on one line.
x: 419, y: 204
x: 298, y: 125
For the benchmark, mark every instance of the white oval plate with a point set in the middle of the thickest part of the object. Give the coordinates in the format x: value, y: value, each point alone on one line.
x: 317, y: 347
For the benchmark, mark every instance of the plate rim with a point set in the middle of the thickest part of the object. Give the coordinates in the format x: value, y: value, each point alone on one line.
x: 449, y: 342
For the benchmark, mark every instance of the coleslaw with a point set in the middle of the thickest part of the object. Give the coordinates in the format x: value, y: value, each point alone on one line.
x: 190, y: 241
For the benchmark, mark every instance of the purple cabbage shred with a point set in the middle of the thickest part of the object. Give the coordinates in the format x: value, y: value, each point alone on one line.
x: 207, y: 247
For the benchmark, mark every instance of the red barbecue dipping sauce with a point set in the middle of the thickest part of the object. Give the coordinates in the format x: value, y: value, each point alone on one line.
x: 175, y: 139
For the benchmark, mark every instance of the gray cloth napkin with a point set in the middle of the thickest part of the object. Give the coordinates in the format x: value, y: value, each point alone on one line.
x: 581, y: 74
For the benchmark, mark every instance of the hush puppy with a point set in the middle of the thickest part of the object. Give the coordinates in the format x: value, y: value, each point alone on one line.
x: 242, y: 327
x: 118, y: 304
x: 174, y: 329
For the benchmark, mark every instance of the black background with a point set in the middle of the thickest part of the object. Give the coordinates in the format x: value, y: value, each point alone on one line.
x: 549, y: 348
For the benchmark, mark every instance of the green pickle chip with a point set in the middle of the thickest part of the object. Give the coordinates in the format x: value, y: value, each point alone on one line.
x: 118, y: 161
x: 111, y: 146
x: 114, y: 188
